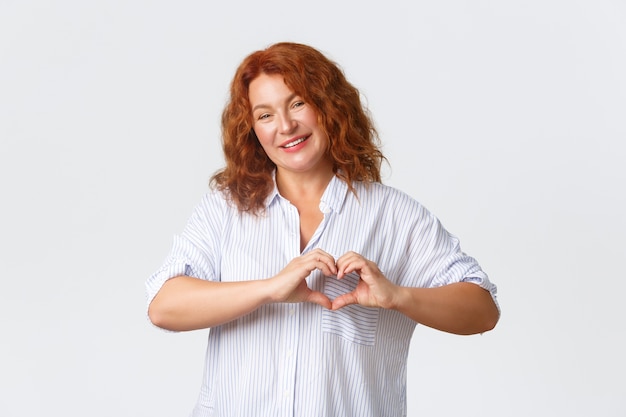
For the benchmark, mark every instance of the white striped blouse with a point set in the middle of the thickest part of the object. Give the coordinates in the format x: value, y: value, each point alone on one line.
x: 301, y: 359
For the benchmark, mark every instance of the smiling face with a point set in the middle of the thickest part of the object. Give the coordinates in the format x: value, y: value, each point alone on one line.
x: 287, y: 127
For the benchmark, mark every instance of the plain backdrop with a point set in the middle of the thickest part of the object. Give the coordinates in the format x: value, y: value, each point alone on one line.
x: 506, y: 119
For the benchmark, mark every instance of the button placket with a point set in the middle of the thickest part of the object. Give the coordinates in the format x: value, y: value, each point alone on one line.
x: 288, y: 367
x: 291, y: 318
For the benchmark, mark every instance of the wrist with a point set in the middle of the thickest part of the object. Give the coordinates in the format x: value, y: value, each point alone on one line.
x: 267, y: 290
x: 400, y: 299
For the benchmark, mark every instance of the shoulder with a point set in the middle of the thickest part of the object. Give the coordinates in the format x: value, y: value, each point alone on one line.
x: 392, y: 205
x: 213, y: 209
x: 215, y: 198
x: 385, y: 194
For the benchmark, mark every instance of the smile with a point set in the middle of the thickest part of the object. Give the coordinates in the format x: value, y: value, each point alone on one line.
x: 295, y: 142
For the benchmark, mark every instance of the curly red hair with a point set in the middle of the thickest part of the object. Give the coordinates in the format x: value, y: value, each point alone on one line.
x: 353, y: 140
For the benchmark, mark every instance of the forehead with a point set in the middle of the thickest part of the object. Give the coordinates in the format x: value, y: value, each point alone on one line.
x: 268, y: 88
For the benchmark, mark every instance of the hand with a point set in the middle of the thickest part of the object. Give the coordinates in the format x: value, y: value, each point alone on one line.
x: 290, y: 283
x: 373, y: 289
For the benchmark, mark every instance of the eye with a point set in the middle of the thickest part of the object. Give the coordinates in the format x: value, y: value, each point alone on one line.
x: 298, y: 103
x: 263, y: 116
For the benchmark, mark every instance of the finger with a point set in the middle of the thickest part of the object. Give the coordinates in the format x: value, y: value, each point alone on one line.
x: 349, y: 258
x: 350, y: 253
x: 318, y: 253
x: 320, y: 299
x: 326, y: 268
x: 325, y: 263
x: 346, y: 257
x: 344, y: 300
x: 349, y: 265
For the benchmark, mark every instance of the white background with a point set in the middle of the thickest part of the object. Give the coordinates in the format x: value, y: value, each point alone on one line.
x: 506, y: 119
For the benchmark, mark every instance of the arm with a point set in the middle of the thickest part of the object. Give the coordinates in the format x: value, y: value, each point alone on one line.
x: 460, y: 308
x: 186, y: 303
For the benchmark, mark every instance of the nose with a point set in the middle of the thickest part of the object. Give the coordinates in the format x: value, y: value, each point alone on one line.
x: 286, y: 123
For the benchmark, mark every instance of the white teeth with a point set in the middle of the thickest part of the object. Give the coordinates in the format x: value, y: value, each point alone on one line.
x: 294, y: 143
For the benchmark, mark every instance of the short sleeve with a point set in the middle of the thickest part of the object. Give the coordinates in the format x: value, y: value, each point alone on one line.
x: 196, y: 251
x: 435, y: 257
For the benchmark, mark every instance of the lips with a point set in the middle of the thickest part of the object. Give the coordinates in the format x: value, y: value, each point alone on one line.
x: 295, y: 142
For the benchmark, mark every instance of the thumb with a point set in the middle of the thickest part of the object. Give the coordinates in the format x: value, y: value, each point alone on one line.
x: 319, y: 298
x: 344, y: 300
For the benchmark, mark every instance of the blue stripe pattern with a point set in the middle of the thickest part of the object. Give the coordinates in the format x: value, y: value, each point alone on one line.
x: 301, y: 359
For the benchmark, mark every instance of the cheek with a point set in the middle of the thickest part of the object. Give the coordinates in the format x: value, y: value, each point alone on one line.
x: 262, y: 135
x: 312, y: 119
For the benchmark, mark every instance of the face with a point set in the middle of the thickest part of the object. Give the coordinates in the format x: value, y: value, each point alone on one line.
x: 287, y: 127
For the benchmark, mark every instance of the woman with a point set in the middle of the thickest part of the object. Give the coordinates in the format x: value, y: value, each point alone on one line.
x: 310, y: 273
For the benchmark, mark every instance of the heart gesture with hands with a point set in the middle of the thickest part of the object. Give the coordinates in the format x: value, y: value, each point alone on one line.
x: 373, y: 289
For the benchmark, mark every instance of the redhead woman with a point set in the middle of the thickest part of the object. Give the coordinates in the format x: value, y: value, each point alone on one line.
x: 309, y: 272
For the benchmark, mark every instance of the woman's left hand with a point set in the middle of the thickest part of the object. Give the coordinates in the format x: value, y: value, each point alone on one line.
x: 373, y: 289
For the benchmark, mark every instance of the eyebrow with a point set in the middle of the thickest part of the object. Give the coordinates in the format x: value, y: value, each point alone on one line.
x: 266, y: 106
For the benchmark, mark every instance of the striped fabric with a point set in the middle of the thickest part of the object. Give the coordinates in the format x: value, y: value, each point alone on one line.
x: 301, y: 359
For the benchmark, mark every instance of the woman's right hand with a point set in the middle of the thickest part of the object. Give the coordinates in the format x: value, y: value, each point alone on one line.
x: 290, y: 286
x: 186, y: 303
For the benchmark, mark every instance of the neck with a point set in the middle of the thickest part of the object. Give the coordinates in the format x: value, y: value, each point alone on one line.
x: 303, y: 187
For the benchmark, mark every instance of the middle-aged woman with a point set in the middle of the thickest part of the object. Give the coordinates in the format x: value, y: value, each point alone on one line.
x: 310, y: 273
